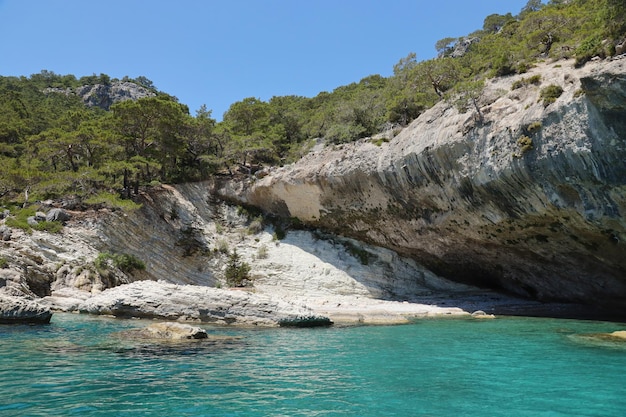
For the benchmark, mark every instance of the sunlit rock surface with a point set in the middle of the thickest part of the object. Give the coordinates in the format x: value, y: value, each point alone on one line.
x: 458, y: 193
x: 15, y: 310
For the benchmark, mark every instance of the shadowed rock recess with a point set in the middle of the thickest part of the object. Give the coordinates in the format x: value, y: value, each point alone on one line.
x: 527, y: 197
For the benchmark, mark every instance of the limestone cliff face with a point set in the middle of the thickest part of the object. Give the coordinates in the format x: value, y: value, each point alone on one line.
x: 460, y: 193
x: 105, y: 95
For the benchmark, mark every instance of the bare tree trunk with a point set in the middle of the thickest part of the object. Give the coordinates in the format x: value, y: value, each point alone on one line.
x: 26, y: 197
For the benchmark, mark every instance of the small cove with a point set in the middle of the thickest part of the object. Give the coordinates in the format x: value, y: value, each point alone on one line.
x: 511, y: 366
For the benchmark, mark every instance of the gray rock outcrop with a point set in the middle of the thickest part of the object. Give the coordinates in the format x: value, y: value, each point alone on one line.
x: 5, y: 233
x: 57, y: 215
x: 461, y: 194
x: 462, y: 46
x: 15, y: 310
x: 105, y: 95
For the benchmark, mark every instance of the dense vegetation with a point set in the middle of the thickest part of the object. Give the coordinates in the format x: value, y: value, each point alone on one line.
x: 51, y: 144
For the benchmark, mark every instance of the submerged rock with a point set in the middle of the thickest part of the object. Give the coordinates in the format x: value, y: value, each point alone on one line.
x: 167, y: 331
x: 619, y: 334
x: 614, y: 340
x: 22, y: 310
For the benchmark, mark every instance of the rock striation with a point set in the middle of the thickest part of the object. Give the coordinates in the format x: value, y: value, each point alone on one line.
x: 526, y: 196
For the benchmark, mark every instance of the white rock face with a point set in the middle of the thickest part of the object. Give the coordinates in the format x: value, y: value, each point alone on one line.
x: 20, y: 310
x: 459, y: 194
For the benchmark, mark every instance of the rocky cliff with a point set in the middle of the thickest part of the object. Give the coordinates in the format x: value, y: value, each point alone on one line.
x: 186, y: 239
x: 105, y: 95
x: 525, y: 195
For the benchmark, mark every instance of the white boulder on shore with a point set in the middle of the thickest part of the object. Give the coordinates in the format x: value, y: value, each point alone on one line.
x: 22, y: 310
x: 162, y: 300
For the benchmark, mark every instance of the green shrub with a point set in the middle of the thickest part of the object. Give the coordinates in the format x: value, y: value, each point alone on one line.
x: 550, y: 93
x: 589, y: 48
x: 535, y: 80
x: 237, y: 271
x: 113, y: 201
x: 50, y: 227
x: 525, y: 143
x: 18, y: 223
x: 122, y: 261
x: 379, y: 141
x: 279, y: 233
x: 222, y: 246
x: 19, y: 220
x: 4, y: 263
x: 534, y: 127
x: 256, y: 225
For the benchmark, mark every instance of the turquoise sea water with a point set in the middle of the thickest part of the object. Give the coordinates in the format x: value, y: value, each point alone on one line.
x: 445, y: 367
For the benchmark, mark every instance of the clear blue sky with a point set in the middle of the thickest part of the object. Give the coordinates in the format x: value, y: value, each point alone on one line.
x: 219, y: 52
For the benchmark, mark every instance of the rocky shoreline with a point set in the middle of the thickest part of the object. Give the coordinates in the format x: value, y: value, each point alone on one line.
x: 240, y: 307
x: 303, y: 279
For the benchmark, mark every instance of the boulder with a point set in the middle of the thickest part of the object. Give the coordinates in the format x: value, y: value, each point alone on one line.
x: 57, y: 215
x: 5, y: 233
x: 32, y: 221
x: 22, y: 310
x: 40, y: 216
x: 167, y: 331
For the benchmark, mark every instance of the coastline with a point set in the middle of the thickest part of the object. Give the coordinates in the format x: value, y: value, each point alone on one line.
x: 249, y: 307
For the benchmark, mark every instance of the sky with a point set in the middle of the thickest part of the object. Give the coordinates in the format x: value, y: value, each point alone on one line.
x: 219, y: 52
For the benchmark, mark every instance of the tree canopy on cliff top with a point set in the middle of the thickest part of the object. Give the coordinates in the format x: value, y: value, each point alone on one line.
x: 54, y: 145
